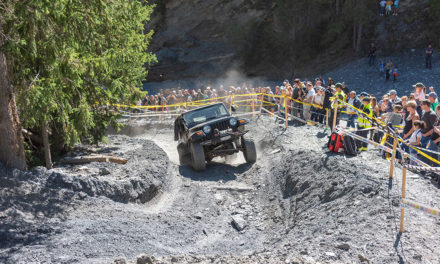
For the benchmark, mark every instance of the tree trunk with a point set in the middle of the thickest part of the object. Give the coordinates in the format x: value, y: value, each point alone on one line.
x: 11, y: 139
x: 337, y: 7
x: 359, y: 38
x: 46, y: 145
x: 354, y: 36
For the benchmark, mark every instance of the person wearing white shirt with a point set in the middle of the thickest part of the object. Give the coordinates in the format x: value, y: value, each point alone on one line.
x: 308, y: 100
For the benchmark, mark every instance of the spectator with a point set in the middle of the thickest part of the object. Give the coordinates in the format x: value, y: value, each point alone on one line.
x: 374, y: 106
x: 429, y: 117
x: 382, y: 7
x: 363, y: 123
x: 339, y: 95
x: 419, y: 95
x: 396, y: 8
x: 394, y: 99
x: 296, y: 95
x: 414, y: 140
x: 352, y: 114
x: 428, y: 59
x: 308, y: 99
x: 382, y: 66
x: 388, y: 68
x: 345, y: 88
x: 395, y: 117
x: 371, y: 54
x: 431, y: 89
x: 319, y: 101
x: 388, y: 7
x: 395, y: 73
x: 410, y: 117
x: 432, y: 97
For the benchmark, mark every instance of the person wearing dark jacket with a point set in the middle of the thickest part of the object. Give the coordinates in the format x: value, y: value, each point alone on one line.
x: 352, y: 113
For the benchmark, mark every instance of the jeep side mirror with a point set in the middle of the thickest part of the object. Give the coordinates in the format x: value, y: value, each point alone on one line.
x: 233, y: 108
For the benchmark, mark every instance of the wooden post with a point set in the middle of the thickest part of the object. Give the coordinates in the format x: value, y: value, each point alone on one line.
x: 261, y: 105
x: 326, y: 117
x: 129, y: 119
x: 286, y: 124
x: 253, y: 107
x: 335, y: 116
x: 393, y: 158
x: 402, y: 209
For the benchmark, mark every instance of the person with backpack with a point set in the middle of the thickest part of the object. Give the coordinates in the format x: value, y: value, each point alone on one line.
x: 364, y: 123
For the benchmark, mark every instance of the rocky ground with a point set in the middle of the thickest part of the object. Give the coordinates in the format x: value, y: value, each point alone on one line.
x: 296, y: 204
x: 359, y: 76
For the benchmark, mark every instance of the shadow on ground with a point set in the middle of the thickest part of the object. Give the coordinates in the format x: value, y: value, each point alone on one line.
x: 215, y: 171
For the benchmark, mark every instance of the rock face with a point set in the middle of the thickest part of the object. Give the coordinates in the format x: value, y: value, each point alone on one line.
x: 284, y: 38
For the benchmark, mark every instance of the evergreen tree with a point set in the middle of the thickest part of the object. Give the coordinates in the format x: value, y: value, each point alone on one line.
x: 70, y: 60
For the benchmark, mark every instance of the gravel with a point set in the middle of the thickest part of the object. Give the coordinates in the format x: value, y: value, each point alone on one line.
x: 296, y: 204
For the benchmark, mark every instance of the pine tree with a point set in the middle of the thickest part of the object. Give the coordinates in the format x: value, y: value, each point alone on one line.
x: 70, y: 60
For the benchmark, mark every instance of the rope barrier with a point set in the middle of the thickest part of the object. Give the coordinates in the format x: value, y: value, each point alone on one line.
x: 423, y: 208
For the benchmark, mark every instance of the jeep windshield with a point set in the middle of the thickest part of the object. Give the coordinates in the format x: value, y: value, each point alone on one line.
x: 205, y: 114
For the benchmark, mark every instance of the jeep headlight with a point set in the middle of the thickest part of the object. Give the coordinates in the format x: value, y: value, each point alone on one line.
x: 207, y: 129
x: 233, y: 122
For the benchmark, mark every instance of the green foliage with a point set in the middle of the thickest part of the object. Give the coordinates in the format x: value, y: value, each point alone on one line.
x: 69, y: 59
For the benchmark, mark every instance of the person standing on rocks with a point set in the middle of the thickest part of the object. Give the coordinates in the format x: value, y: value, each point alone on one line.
x: 388, y: 69
x: 382, y: 4
x: 428, y: 56
x: 372, y: 54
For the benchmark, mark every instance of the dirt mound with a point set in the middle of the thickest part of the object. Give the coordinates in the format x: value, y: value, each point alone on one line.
x: 32, y: 201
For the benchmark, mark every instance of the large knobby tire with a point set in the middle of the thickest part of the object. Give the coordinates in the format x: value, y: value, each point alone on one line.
x: 184, y: 154
x: 249, y: 150
x: 198, y: 157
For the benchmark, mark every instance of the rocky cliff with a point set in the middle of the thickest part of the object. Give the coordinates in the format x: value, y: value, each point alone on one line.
x: 276, y: 38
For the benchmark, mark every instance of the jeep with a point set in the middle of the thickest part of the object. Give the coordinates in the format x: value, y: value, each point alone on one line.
x: 208, y: 132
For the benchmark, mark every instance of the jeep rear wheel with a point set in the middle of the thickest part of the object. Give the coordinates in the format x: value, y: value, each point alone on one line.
x: 249, y: 151
x: 198, y: 157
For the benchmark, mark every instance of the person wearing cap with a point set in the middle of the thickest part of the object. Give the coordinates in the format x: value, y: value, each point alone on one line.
x: 394, y: 99
x: 433, y: 99
x: 364, y: 123
x: 362, y: 95
x: 351, y: 113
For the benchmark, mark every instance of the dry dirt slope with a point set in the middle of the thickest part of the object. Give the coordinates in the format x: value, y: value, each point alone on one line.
x: 297, y: 203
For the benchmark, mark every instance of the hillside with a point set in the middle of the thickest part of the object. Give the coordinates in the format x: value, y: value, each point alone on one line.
x: 268, y: 38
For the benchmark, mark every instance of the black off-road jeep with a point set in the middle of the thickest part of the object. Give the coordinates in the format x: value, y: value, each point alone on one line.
x: 211, y: 131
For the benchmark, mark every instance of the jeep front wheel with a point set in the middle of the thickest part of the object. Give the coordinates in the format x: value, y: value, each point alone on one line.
x: 184, y: 155
x: 198, y: 157
x: 249, y: 150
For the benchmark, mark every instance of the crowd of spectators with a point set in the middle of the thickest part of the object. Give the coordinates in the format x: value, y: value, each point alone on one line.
x: 416, y: 114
